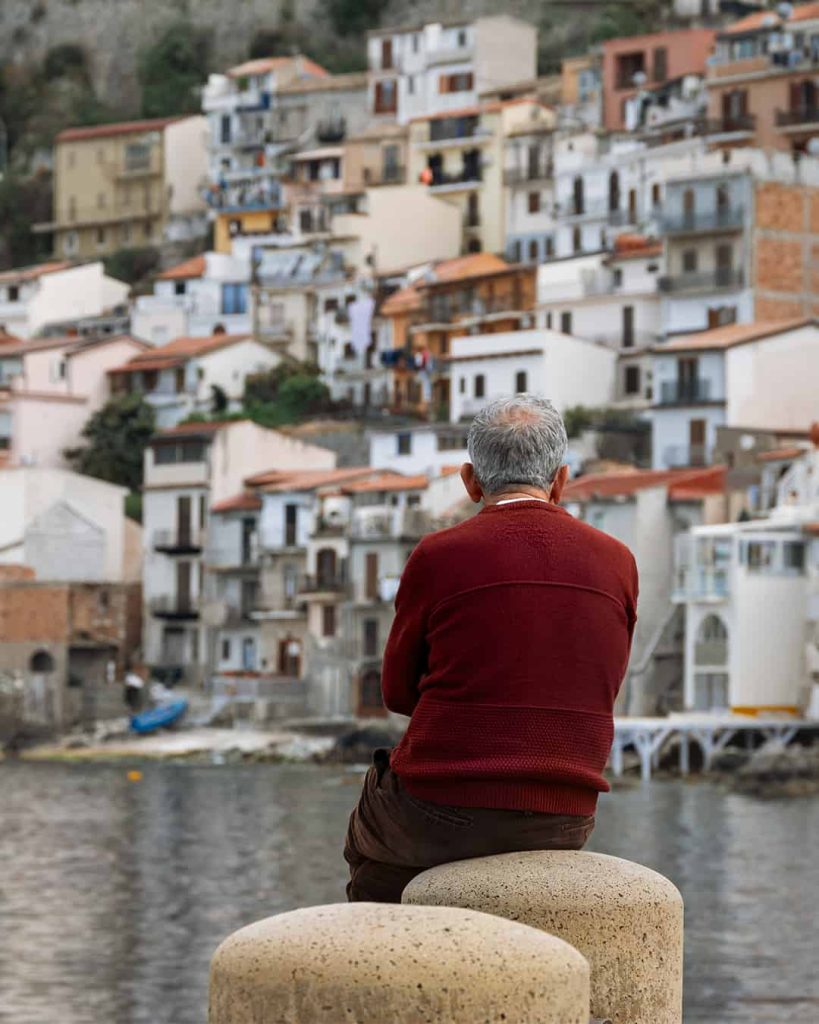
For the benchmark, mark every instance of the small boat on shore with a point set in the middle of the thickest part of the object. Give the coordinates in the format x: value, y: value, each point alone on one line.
x: 159, y: 717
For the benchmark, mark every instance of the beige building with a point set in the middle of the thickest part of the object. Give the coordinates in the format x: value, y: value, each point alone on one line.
x: 375, y: 156
x: 459, y: 156
x: 128, y: 185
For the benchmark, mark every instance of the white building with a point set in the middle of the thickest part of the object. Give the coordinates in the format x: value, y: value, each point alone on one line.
x: 48, y: 390
x: 418, y: 450
x: 567, y: 370
x: 66, y: 526
x: 439, y: 67
x: 193, y: 375
x: 528, y: 173
x: 743, y: 375
x: 48, y: 293
x: 611, y: 298
x: 646, y: 510
x: 750, y: 591
x: 188, y: 470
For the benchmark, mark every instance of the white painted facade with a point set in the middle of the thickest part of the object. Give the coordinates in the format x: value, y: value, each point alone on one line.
x: 185, y: 166
x: 474, y: 57
x: 567, y: 370
x: 64, y: 526
x: 30, y: 300
x: 751, y: 597
x: 414, y: 450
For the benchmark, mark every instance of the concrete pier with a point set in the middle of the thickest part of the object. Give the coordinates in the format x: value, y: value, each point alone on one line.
x: 367, y: 963
x: 624, y: 918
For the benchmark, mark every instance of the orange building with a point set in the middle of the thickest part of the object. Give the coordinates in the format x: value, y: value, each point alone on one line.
x: 475, y: 294
x: 656, y: 58
x: 762, y: 80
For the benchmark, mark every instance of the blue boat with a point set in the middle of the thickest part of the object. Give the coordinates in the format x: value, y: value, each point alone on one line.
x: 160, y: 717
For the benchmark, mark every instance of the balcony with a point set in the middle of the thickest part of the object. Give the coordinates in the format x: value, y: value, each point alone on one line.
x: 706, y: 222
x: 410, y: 523
x: 392, y: 174
x: 701, y: 281
x: 175, y: 606
x: 443, y: 181
x: 685, y: 456
x: 684, y: 392
x: 528, y: 175
x: 331, y: 130
x: 178, y: 542
x: 234, y: 560
x: 798, y: 118
x: 704, y: 583
x: 729, y: 125
x: 327, y: 584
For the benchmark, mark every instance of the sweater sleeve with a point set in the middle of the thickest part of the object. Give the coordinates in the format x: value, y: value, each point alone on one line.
x: 405, y: 656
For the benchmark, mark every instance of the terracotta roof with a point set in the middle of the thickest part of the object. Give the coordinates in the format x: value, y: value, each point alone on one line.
x: 32, y: 273
x: 462, y: 268
x: 805, y: 12
x: 244, y: 502
x: 779, y: 454
x: 683, y: 484
x: 75, y: 344
x: 402, y: 301
x: 330, y: 83
x: 100, y: 131
x: 387, y: 481
x: 629, y: 246
x: 194, y: 267
x: 811, y: 528
x: 752, y: 23
x: 731, y: 335
x: 177, y: 351
x: 261, y: 65
x: 8, y: 339
x: 275, y: 480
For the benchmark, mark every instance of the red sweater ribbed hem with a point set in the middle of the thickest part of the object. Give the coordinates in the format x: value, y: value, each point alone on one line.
x: 514, y: 796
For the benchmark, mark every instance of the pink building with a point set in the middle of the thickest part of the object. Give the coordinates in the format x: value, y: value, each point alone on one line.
x: 660, y: 57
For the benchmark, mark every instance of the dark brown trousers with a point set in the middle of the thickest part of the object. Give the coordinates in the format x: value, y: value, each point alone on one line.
x: 393, y: 836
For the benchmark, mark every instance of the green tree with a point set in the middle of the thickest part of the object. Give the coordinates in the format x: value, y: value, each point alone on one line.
x: 354, y: 17
x: 116, y: 437
x: 132, y: 265
x: 23, y: 202
x: 171, y: 70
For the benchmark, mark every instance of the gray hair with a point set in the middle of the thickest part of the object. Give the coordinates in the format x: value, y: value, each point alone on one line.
x: 518, y: 440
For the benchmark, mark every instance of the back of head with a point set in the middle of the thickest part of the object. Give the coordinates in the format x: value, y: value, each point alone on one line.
x: 517, y: 441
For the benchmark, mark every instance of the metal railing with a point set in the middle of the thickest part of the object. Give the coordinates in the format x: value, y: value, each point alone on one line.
x: 725, y: 125
x: 683, y: 392
x: 722, y: 277
x: 331, y: 129
x: 177, y: 606
x: 522, y: 175
x: 797, y: 116
x: 726, y: 219
x: 465, y: 177
x: 410, y: 523
x: 178, y: 540
x: 328, y: 583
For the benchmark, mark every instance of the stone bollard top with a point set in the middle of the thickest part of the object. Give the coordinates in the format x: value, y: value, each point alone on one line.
x: 367, y: 962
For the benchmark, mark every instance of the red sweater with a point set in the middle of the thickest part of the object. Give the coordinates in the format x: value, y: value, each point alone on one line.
x: 510, y: 641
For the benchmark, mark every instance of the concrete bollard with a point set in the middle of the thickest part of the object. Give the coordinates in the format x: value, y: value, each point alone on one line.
x: 369, y: 963
x: 624, y: 918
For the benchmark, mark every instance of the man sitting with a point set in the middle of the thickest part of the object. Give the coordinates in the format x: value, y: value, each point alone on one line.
x: 511, y: 638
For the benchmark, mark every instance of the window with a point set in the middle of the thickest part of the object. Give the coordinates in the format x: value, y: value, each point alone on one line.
x: 548, y: 246
x: 100, y: 236
x: 226, y: 650
x: 480, y: 386
x: 386, y: 54
x: 577, y: 240
x: 137, y: 156
x: 371, y: 691
x: 631, y: 380
x: 386, y: 97
x: 689, y: 261
x: 460, y: 82
x: 533, y: 202
x: 656, y: 195
x: 404, y: 443
x: 793, y: 557
x: 462, y: 386
x: 415, y: 42
x: 71, y: 243
x: 759, y: 555
x: 225, y: 130
x: 566, y: 322
x: 178, y: 452
x: 461, y: 38
x: 14, y: 293
x: 628, y: 326
x: 521, y: 383
x: 234, y: 298
x: 549, y: 321
x: 617, y: 277
x: 533, y: 251
x: 290, y: 525
x: 411, y: 85
x: 370, y: 637
x: 660, y: 64
x: 517, y: 251
x: 180, y: 287
x: 328, y: 620
x: 103, y: 601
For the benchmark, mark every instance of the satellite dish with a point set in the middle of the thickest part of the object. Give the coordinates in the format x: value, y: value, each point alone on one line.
x: 813, y: 146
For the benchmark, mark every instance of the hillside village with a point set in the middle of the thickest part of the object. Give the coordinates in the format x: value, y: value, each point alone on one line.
x: 352, y: 265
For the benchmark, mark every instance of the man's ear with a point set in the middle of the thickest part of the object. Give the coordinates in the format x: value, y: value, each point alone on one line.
x: 470, y: 481
x: 560, y: 482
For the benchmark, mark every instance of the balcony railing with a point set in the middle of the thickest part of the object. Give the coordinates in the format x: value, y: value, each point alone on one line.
x: 797, y: 116
x: 728, y: 219
x: 465, y: 177
x: 175, y: 606
x: 684, y: 392
x: 699, y: 582
x: 725, y: 125
x: 682, y: 456
x: 702, y: 281
x: 331, y: 129
x: 524, y: 175
x: 324, y: 584
x: 411, y: 523
x: 178, y: 540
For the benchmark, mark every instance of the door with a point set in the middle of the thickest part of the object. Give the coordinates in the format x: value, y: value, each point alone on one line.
x: 689, y: 207
x: 371, y: 576
x: 248, y: 535
x: 386, y: 54
x: 724, y: 259
x: 614, y: 191
x: 326, y: 566
x: 632, y: 206
x: 577, y: 195
x: 289, y: 662
x: 687, y: 370
x: 370, y: 638
x: 183, y: 586
x: 248, y: 654
x: 183, y: 520
x: 533, y: 163
x: 696, y: 442
x: 628, y: 326
x: 290, y: 517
